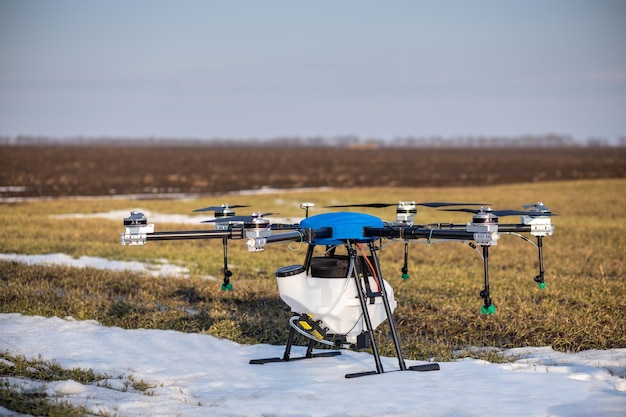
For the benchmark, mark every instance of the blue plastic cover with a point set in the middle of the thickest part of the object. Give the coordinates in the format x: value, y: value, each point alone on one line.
x: 344, y: 225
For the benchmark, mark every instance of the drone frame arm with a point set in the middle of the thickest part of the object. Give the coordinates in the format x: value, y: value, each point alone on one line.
x: 257, y: 242
x: 417, y: 232
x: 233, y: 233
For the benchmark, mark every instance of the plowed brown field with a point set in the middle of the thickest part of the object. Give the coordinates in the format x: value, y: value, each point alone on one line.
x: 78, y: 170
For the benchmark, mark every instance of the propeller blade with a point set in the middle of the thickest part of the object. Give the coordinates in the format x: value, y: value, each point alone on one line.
x: 503, y: 213
x: 466, y: 210
x: 536, y: 205
x: 373, y: 205
x: 212, y: 208
x: 446, y: 204
x: 237, y: 219
x: 425, y: 204
x: 538, y: 209
x: 217, y: 208
x: 532, y: 213
x: 228, y: 219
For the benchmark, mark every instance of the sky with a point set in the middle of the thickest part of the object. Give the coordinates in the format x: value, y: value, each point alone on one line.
x: 274, y: 68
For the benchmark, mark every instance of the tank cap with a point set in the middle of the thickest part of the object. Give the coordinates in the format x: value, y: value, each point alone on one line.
x: 287, y: 271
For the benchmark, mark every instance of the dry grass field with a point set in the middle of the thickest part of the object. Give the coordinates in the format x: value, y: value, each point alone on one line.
x: 582, y: 307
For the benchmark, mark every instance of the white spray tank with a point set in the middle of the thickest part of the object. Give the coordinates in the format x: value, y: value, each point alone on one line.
x: 328, y: 294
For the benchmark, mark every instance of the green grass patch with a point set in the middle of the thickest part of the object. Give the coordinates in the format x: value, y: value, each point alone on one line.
x: 35, y: 401
x: 23, y: 386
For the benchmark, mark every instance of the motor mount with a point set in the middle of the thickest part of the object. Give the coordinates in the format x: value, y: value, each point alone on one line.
x: 484, y: 225
x: 136, y: 229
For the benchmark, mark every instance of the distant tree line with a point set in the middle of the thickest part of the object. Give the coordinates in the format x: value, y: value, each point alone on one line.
x: 344, y: 141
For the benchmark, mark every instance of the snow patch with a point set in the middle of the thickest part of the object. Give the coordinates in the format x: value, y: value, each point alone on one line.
x: 200, y: 375
x: 161, y: 218
x: 61, y: 388
x: 158, y: 268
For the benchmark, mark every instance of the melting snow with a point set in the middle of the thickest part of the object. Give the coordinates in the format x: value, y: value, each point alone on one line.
x: 200, y: 375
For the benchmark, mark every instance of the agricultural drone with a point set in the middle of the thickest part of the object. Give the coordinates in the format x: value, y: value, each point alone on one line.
x: 338, y: 296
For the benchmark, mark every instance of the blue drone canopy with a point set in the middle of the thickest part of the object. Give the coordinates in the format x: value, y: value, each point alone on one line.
x: 344, y: 226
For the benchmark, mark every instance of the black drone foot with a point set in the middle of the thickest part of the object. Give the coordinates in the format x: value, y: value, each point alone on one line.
x: 358, y: 374
x: 541, y: 281
x: 311, y: 356
x: 424, y: 368
x: 420, y: 368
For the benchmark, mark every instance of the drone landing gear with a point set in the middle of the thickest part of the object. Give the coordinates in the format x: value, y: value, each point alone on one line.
x: 366, y: 295
x: 539, y: 279
x: 287, y: 355
x: 226, y: 286
x: 360, y: 266
x: 487, y: 308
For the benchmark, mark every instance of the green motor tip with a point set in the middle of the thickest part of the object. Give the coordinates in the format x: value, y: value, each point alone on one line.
x: 542, y: 285
x: 227, y: 287
x: 491, y: 310
x: 405, y: 276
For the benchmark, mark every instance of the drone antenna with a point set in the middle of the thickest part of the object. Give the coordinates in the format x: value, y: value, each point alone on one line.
x: 306, y: 207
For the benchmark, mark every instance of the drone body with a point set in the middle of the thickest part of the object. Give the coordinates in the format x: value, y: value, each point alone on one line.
x: 338, y: 297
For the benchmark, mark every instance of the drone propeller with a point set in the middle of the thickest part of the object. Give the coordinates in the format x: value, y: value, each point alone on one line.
x: 240, y: 219
x: 539, y: 207
x: 374, y: 205
x: 433, y: 204
x: 502, y: 213
x: 224, y: 208
x: 487, y: 210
